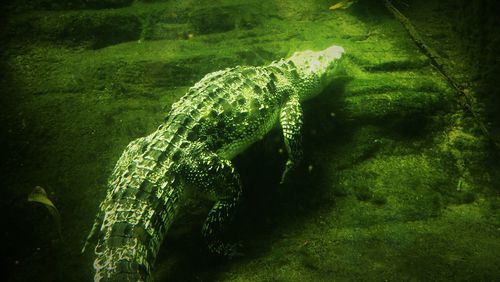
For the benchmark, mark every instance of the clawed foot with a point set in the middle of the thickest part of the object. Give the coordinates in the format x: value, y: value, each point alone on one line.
x: 289, y: 166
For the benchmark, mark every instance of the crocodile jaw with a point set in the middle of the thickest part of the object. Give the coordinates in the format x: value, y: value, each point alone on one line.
x: 316, y: 66
x: 310, y: 62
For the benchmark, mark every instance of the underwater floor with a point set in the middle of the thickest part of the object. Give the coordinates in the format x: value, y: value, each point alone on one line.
x: 398, y: 181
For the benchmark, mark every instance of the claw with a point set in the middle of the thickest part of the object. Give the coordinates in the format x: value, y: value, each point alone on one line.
x: 288, y: 167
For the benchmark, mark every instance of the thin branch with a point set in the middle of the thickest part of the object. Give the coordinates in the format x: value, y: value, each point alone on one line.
x: 437, y: 62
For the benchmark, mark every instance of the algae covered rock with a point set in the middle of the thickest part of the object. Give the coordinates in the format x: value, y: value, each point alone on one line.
x: 69, y: 4
x: 95, y: 29
x: 104, y: 4
x: 225, y: 18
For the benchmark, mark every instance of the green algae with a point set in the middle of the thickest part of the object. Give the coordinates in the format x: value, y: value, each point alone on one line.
x: 394, y: 184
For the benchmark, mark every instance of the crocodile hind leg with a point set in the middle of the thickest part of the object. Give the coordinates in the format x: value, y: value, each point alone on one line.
x: 217, y: 180
x: 291, y: 124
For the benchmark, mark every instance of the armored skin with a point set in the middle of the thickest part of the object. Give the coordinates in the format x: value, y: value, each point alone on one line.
x: 190, y: 154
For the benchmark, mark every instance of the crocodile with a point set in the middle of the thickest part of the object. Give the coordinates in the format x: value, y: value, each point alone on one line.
x: 190, y: 154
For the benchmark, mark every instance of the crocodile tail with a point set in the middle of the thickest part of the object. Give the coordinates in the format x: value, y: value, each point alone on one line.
x: 122, y: 257
x: 130, y: 235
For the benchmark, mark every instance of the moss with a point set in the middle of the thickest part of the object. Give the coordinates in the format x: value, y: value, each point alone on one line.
x: 363, y: 193
x: 386, y: 139
x: 396, y: 103
x: 105, y: 4
x: 95, y: 29
x: 379, y: 200
x: 340, y: 191
x: 20, y: 5
x: 468, y: 197
x: 225, y: 18
x: 101, y: 30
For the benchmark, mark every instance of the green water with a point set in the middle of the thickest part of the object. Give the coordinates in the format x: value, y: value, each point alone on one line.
x: 399, y: 180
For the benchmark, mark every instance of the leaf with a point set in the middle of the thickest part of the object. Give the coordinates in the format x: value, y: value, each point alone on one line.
x: 39, y: 195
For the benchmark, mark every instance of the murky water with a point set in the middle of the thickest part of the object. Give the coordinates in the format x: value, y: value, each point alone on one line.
x: 399, y: 178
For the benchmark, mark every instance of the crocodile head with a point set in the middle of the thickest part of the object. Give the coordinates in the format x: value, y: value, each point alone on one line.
x: 316, y: 69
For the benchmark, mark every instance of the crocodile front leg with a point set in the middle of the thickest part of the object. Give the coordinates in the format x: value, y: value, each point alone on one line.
x: 291, y: 124
x: 217, y: 180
